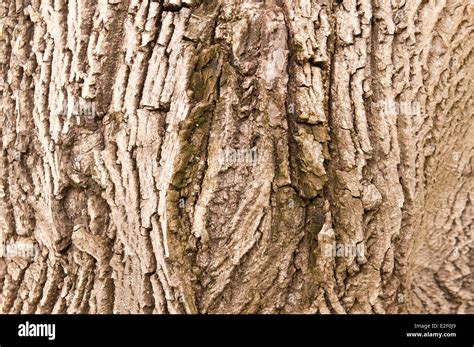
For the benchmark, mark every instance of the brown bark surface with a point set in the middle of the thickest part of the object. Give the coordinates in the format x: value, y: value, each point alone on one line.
x: 231, y: 144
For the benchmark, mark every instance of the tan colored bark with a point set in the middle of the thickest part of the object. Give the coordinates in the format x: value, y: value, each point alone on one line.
x: 233, y: 143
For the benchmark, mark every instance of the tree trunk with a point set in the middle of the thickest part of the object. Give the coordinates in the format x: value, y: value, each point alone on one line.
x: 236, y: 156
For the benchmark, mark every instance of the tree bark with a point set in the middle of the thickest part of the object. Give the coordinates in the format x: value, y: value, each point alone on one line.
x: 236, y: 156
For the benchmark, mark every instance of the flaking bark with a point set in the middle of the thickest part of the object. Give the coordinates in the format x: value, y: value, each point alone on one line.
x: 357, y: 115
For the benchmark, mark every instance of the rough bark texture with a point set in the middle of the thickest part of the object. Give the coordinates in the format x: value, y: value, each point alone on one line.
x: 135, y: 209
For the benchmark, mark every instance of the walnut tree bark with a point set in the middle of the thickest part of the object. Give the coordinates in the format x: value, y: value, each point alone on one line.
x: 136, y: 209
